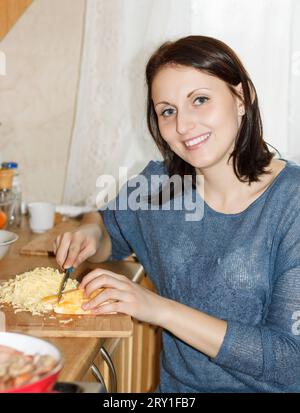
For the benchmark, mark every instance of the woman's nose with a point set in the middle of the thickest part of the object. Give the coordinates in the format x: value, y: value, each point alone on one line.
x: 185, y: 123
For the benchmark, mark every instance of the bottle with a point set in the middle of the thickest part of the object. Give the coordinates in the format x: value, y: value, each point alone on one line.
x: 7, y: 198
x: 16, y: 215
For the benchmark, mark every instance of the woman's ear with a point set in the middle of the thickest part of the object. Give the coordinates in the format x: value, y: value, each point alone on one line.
x: 240, y: 92
x: 240, y: 99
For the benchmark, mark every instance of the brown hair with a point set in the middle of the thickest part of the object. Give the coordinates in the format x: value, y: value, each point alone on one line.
x: 251, y: 154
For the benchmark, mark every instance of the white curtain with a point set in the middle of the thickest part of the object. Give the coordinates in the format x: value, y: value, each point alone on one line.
x: 110, y: 128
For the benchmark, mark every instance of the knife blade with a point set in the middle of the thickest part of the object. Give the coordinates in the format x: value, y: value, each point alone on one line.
x: 64, y: 282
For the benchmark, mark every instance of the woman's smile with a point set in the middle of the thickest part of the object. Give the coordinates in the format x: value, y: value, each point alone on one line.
x: 194, y: 143
x: 194, y: 108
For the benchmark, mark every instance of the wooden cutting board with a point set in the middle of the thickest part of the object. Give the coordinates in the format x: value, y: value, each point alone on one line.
x: 42, y: 244
x: 114, y: 325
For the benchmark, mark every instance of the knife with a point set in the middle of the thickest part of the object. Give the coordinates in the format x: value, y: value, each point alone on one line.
x: 64, y: 282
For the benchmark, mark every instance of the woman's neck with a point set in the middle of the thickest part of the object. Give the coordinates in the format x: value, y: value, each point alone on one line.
x: 223, y: 191
x: 220, y: 183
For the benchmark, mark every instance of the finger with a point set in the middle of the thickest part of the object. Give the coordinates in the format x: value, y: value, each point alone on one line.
x: 84, y: 255
x: 96, y: 273
x: 103, y: 281
x: 73, y: 253
x: 111, y: 308
x: 56, y: 243
x: 107, y: 294
x: 62, y: 249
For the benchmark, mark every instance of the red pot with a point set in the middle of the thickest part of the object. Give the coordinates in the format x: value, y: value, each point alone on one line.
x: 32, y: 345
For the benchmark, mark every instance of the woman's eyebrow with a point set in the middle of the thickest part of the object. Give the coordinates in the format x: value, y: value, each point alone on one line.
x: 189, y: 95
x: 199, y: 88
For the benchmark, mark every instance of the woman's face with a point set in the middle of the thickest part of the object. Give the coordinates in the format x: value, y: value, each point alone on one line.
x: 198, y: 116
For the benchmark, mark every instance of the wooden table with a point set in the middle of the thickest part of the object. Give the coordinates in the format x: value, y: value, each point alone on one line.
x: 78, y: 353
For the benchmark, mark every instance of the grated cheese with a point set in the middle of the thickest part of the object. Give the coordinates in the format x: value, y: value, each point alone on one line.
x: 25, y: 291
x: 66, y: 321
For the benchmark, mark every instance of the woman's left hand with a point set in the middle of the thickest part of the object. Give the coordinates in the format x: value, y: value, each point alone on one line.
x: 130, y: 298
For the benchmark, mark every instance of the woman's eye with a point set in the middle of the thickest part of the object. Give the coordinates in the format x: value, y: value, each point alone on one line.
x: 200, y: 100
x: 167, y: 113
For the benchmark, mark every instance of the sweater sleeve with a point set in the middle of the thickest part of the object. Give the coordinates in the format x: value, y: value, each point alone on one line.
x: 117, y: 222
x: 270, y: 351
x: 120, y: 246
x: 121, y: 220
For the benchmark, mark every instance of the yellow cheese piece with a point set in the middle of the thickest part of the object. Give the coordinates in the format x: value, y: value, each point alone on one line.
x: 71, y: 302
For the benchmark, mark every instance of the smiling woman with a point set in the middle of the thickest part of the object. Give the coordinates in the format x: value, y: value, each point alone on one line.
x: 207, y: 118
x: 225, y: 101
x: 228, y: 282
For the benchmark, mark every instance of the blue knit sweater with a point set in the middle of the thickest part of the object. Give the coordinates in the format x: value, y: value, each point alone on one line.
x: 243, y: 268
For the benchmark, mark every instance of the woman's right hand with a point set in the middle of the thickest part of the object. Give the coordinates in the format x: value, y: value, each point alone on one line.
x: 72, y: 248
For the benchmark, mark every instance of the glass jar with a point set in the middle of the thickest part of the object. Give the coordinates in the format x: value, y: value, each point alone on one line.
x: 16, y: 189
x: 7, y: 206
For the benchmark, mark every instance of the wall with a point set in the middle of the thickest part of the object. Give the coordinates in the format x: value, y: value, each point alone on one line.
x: 38, y: 94
x: 10, y: 11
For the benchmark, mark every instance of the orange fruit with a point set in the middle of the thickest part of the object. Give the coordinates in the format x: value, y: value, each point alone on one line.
x: 3, y: 219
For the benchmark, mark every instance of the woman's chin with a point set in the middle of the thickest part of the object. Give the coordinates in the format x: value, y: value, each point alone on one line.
x: 196, y: 161
x: 201, y: 163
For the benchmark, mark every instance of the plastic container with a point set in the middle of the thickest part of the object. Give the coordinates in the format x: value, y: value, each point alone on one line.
x: 7, y: 206
x: 6, y: 178
x: 16, y: 189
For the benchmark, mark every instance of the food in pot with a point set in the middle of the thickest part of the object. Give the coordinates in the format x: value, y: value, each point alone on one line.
x: 18, y: 369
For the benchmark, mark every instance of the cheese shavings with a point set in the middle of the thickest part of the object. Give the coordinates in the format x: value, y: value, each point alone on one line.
x: 25, y: 291
x: 66, y: 321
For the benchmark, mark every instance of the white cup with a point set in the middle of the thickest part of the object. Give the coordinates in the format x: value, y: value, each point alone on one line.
x: 41, y: 216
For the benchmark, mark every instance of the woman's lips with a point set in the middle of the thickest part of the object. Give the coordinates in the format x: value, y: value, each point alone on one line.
x: 194, y: 143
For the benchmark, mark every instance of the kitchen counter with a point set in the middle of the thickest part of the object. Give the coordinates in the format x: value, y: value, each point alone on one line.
x: 78, y: 353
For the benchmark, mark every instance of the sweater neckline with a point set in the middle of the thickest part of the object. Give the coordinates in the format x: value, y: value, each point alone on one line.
x: 257, y: 200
